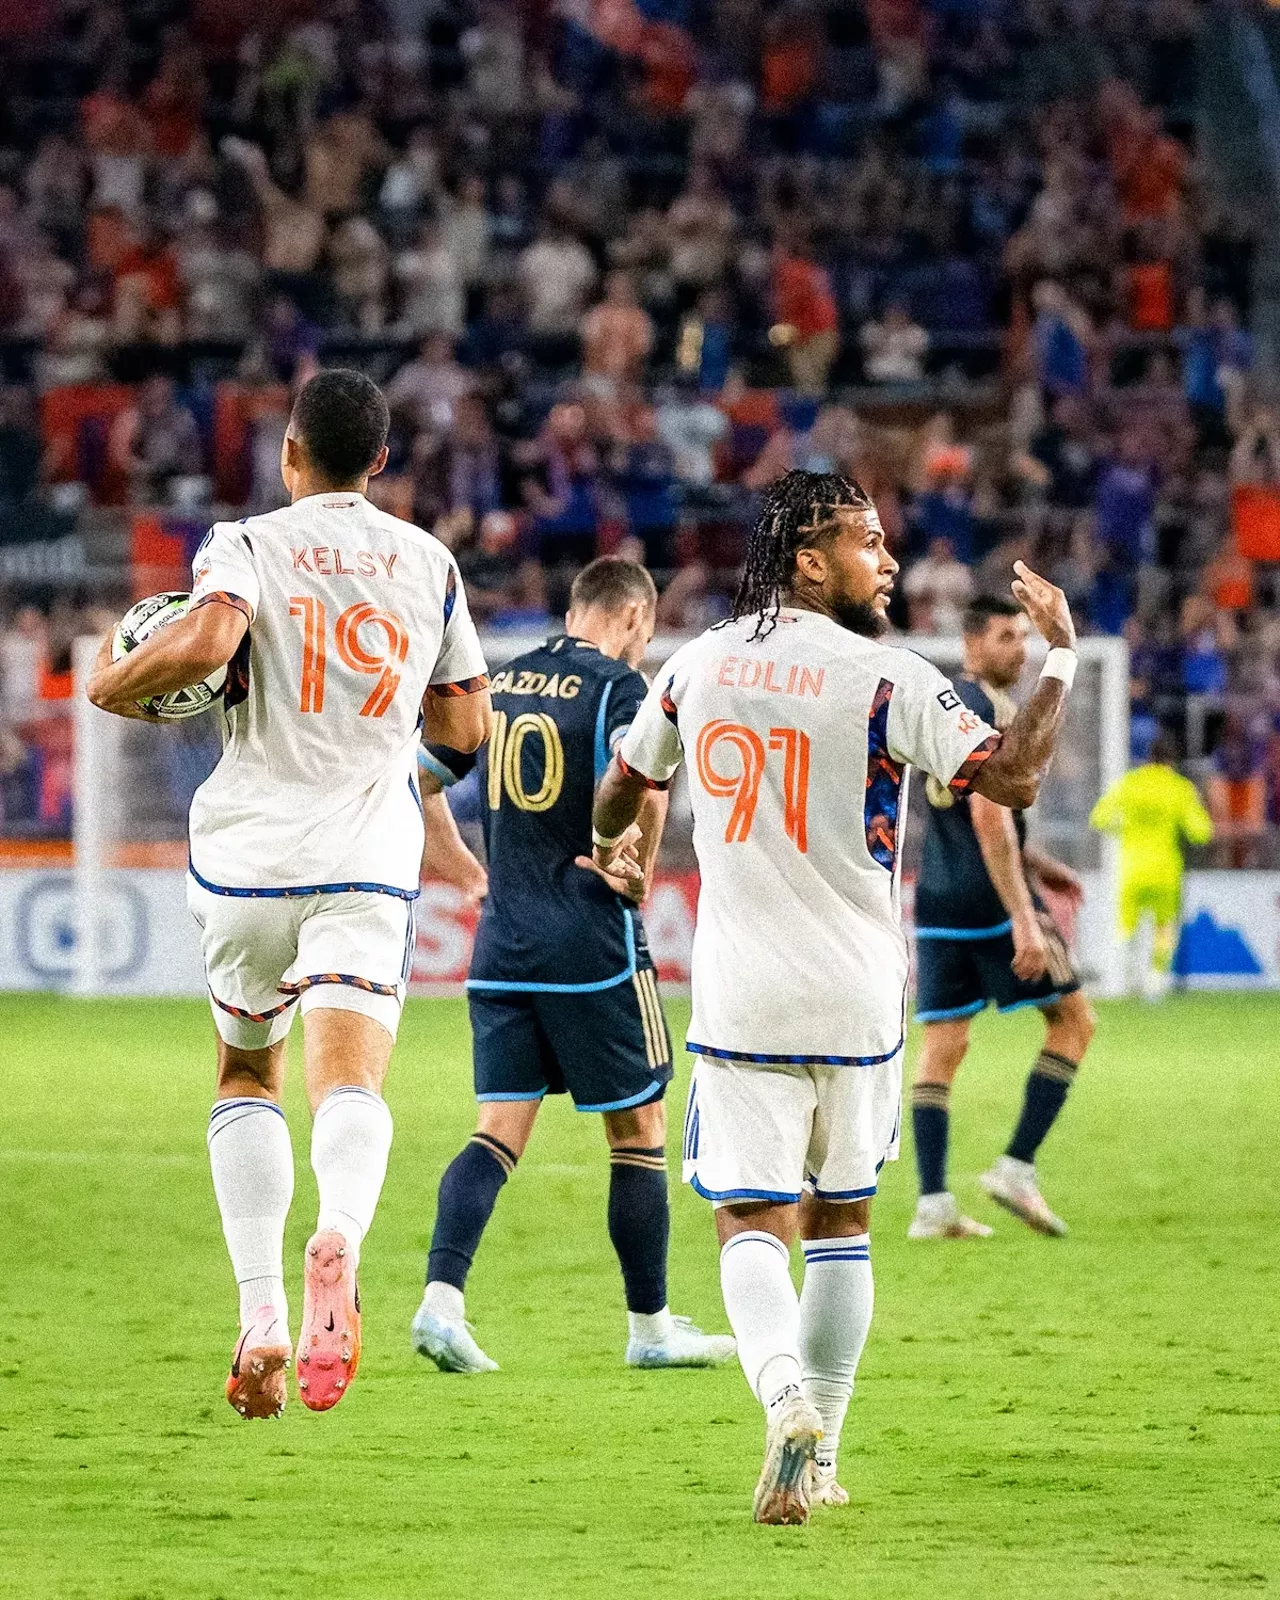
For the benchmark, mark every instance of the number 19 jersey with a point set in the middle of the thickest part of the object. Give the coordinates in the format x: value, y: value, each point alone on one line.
x: 797, y: 746
x: 354, y: 615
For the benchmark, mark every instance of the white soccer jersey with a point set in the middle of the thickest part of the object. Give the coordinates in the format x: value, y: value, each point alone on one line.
x: 797, y: 745
x: 353, y: 614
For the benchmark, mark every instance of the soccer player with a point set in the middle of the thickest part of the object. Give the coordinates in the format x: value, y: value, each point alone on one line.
x: 982, y: 934
x: 1156, y: 813
x: 343, y: 630
x: 562, y: 991
x: 800, y: 725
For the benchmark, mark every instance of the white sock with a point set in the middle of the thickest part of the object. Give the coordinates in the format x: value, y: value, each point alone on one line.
x: 764, y: 1313
x: 445, y: 1301
x: 252, y: 1163
x: 350, y: 1143
x: 649, y: 1327
x: 835, y: 1315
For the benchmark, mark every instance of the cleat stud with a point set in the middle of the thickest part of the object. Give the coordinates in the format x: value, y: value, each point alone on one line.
x: 302, y: 1383
x: 341, y: 1252
x: 257, y: 1368
x: 339, y: 1383
x: 243, y: 1410
x: 302, y: 1360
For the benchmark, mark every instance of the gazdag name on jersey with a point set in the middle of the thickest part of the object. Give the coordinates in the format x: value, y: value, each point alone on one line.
x: 354, y: 615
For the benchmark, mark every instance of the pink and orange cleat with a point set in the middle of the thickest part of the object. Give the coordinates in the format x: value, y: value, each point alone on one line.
x: 256, y: 1386
x: 329, y: 1344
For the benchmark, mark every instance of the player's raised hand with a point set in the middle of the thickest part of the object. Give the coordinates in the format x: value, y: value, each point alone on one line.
x: 1046, y: 605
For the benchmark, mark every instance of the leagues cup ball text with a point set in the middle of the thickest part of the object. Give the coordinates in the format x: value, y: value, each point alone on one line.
x: 139, y: 623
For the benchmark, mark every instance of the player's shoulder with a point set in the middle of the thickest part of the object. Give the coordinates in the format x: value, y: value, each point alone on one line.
x: 409, y: 533
x: 975, y: 696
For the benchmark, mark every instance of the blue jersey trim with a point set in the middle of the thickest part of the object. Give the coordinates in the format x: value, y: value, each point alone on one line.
x: 742, y: 1194
x: 953, y: 1014
x: 417, y: 798
x: 966, y: 933
x: 297, y: 891
x: 1041, y: 1000
x: 503, y: 986
x: 651, y: 1093
x: 601, y: 745
x: 536, y: 1095
x: 792, y: 1061
x: 842, y: 1194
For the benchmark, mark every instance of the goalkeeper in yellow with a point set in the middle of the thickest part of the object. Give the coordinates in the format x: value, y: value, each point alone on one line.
x: 1155, y: 812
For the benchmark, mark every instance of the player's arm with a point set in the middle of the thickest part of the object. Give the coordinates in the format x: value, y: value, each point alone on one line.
x: 444, y: 852
x: 172, y: 658
x: 457, y: 710
x: 645, y: 763
x: 643, y: 848
x: 1012, y: 773
x: 1107, y: 815
x: 1001, y: 855
x: 1195, y: 821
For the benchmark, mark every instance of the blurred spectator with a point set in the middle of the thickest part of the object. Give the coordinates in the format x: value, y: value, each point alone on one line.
x: 1062, y: 339
x: 427, y: 389
x: 24, y: 646
x: 220, y: 280
x: 692, y: 428
x: 1237, y: 797
x: 148, y: 297
x: 361, y: 272
x: 433, y: 295
x: 644, y: 474
x: 895, y: 347
x: 155, y: 442
x: 500, y: 586
x: 937, y: 589
x: 617, y: 334
x: 562, y: 489
x: 808, y: 326
x: 293, y: 233
x: 20, y: 451
x: 556, y: 273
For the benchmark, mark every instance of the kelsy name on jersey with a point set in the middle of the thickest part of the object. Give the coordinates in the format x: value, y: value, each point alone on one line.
x: 526, y: 682
x: 328, y: 562
x: 742, y: 672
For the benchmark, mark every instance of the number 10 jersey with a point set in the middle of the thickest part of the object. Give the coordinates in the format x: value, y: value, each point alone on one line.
x: 797, y: 745
x: 354, y: 616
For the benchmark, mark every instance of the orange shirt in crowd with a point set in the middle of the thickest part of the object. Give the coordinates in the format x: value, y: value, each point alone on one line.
x: 788, y: 69
x: 158, y: 272
x: 1151, y: 297
x: 802, y: 298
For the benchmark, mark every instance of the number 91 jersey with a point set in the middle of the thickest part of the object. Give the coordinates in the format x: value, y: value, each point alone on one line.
x: 797, y: 744
x: 354, y: 617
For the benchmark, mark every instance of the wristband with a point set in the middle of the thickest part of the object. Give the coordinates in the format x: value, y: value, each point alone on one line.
x: 603, y: 841
x: 1061, y: 663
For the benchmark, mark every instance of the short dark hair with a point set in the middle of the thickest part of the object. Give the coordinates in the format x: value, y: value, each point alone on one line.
x: 793, y: 507
x: 980, y: 610
x: 611, y: 583
x: 341, y: 420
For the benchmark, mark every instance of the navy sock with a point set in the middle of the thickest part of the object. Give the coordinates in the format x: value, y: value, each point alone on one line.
x: 468, y: 1194
x: 640, y: 1223
x: 1046, y: 1092
x: 931, y: 1123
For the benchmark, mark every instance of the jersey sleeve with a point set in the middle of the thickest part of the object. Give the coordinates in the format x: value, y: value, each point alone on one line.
x: 223, y: 569
x: 651, y: 749
x: 626, y: 696
x: 931, y: 727
x: 1107, y: 815
x: 1196, y: 823
x: 460, y: 666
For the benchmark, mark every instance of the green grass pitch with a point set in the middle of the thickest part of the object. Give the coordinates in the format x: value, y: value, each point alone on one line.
x: 1070, y: 1420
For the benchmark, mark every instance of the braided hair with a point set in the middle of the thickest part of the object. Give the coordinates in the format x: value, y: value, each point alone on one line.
x: 793, y: 505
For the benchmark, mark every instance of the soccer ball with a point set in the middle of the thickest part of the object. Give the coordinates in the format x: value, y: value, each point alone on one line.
x: 139, y: 623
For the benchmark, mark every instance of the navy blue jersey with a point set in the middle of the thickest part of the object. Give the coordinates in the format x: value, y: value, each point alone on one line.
x: 558, y: 713
x: 954, y: 889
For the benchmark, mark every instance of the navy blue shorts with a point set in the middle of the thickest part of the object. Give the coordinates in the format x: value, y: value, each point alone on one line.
x: 609, y: 1049
x: 957, y: 976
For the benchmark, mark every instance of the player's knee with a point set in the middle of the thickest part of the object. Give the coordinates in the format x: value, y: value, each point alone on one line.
x: 640, y: 1125
x: 248, y: 1074
x: 1071, y: 1026
x: 833, y: 1219
x: 509, y: 1121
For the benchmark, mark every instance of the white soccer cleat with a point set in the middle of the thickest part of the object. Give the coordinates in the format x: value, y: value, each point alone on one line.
x: 684, y: 1346
x: 939, y: 1217
x: 782, y: 1494
x: 823, y: 1488
x: 449, y: 1344
x: 1012, y: 1184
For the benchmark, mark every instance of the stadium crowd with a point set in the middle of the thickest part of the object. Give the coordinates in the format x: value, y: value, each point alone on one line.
x: 618, y: 266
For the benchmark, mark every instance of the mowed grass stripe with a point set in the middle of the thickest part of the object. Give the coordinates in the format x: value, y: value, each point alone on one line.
x: 1073, y: 1420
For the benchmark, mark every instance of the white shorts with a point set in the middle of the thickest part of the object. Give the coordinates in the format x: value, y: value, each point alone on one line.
x: 756, y: 1132
x: 265, y: 954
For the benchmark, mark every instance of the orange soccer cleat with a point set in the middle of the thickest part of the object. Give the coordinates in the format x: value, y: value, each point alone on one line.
x: 256, y: 1386
x: 329, y: 1344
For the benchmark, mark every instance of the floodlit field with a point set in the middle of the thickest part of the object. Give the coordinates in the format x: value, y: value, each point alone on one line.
x: 1089, y: 1418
